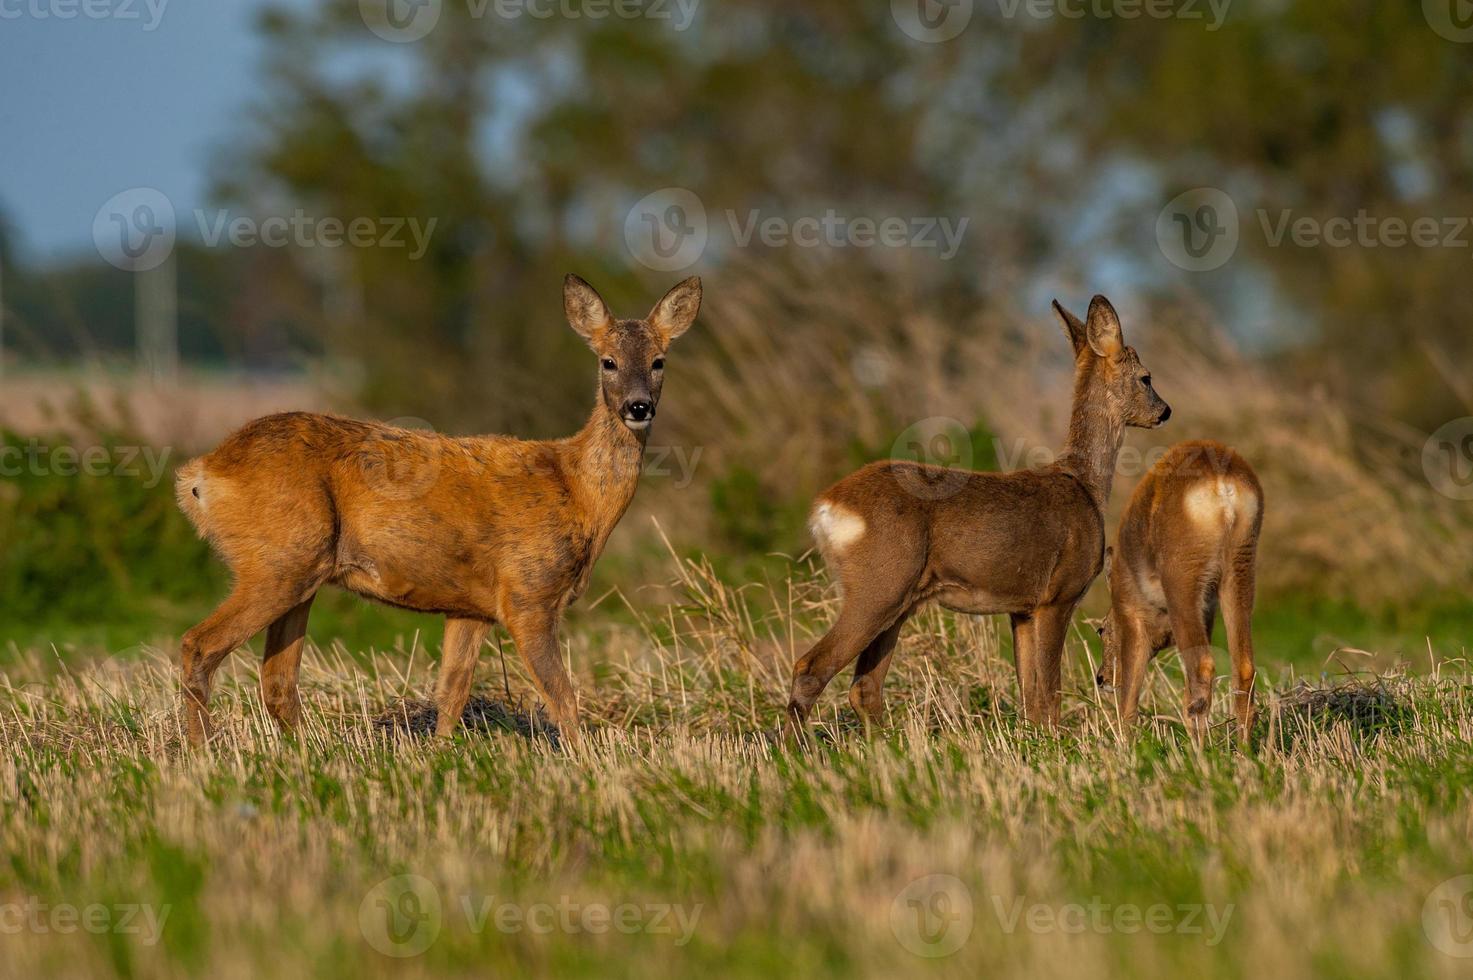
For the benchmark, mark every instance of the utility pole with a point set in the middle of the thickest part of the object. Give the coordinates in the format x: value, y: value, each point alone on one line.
x: 156, y: 313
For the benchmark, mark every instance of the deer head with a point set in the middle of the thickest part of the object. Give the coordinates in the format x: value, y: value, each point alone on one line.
x: 631, y: 353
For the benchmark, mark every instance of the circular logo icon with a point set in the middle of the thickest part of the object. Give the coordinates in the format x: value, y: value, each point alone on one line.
x: 1198, y: 230
x: 1447, y: 459
x: 932, y: 21
x: 134, y: 230
x: 400, y: 916
x: 666, y: 231
x: 400, y: 21
x: 399, y: 463
x: 943, y: 449
x: 1447, y: 917
x: 1451, y: 19
x: 932, y: 916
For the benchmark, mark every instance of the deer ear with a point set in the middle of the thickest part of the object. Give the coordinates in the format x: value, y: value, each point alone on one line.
x: 1103, y: 328
x: 673, y: 314
x: 587, y: 314
x: 1073, y: 328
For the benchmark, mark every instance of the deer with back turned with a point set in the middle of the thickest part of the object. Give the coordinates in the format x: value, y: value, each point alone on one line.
x: 480, y: 529
x: 1188, y: 543
x: 1026, y: 543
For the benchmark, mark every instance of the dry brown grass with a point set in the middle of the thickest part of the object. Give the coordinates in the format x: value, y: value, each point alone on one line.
x: 1316, y: 854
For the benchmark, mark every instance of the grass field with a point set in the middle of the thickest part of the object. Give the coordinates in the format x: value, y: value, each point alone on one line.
x: 679, y: 836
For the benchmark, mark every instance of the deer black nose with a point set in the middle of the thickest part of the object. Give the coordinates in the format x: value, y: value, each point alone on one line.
x: 1166, y: 414
x: 639, y: 409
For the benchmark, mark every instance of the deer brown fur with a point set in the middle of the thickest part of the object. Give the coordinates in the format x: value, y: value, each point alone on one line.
x: 1028, y: 543
x: 1188, y: 543
x: 481, y: 529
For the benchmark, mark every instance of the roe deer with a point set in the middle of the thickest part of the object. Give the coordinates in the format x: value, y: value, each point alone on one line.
x: 481, y: 529
x: 1188, y: 540
x: 1026, y: 543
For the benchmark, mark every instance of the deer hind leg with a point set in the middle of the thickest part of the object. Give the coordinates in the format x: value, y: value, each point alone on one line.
x: 463, y: 639
x: 534, y: 631
x: 859, y: 624
x: 251, y: 607
x: 1049, y: 626
x: 1237, y: 617
x: 280, y: 664
x: 1189, y: 606
x: 1130, y: 673
x: 867, y: 692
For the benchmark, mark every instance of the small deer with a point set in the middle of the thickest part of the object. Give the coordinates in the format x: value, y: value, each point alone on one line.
x: 897, y: 534
x: 1188, y: 542
x: 482, y: 529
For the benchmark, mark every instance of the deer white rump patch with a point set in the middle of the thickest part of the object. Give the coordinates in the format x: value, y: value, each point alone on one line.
x: 1221, y: 502
x: 836, y: 527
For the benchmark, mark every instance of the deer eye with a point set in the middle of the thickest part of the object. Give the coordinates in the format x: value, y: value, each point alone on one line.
x: 658, y: 365
x: 609, y: 365
x: 1146, y: 381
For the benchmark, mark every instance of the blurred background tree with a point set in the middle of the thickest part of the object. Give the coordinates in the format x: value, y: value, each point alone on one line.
x: 1060, y: 139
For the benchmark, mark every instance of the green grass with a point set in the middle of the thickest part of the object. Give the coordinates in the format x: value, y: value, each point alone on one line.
x: 1033, y: 854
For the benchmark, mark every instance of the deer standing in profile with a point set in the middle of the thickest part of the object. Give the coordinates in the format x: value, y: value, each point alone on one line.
x: 1028, y: 543
x: 481, y: 529
x: 1188, y: 543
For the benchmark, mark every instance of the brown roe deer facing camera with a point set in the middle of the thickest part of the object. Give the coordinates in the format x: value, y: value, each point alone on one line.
x: 1188, y: 541
x: 482, y: 529
x: 896, y: 534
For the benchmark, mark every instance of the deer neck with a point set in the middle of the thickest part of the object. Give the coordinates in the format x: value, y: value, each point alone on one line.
x: 603, y: 464
x: 1095, y: 437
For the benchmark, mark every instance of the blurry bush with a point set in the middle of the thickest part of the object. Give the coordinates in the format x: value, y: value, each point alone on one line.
x: 80, y: 550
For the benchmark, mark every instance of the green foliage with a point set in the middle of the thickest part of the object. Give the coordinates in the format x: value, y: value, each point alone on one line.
x: 87, y: 544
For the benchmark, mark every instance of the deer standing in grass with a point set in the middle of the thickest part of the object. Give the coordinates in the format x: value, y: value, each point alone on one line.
x: 1188, y: 543
x: 483, y: 529
x: 1028, y: 543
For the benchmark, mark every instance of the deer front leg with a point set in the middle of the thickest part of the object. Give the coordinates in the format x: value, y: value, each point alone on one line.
x: 463, y: 639
x: 1050, y: 626
x: 534, y: 631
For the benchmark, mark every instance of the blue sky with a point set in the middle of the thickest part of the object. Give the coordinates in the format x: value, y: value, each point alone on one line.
x: 92, y: 107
